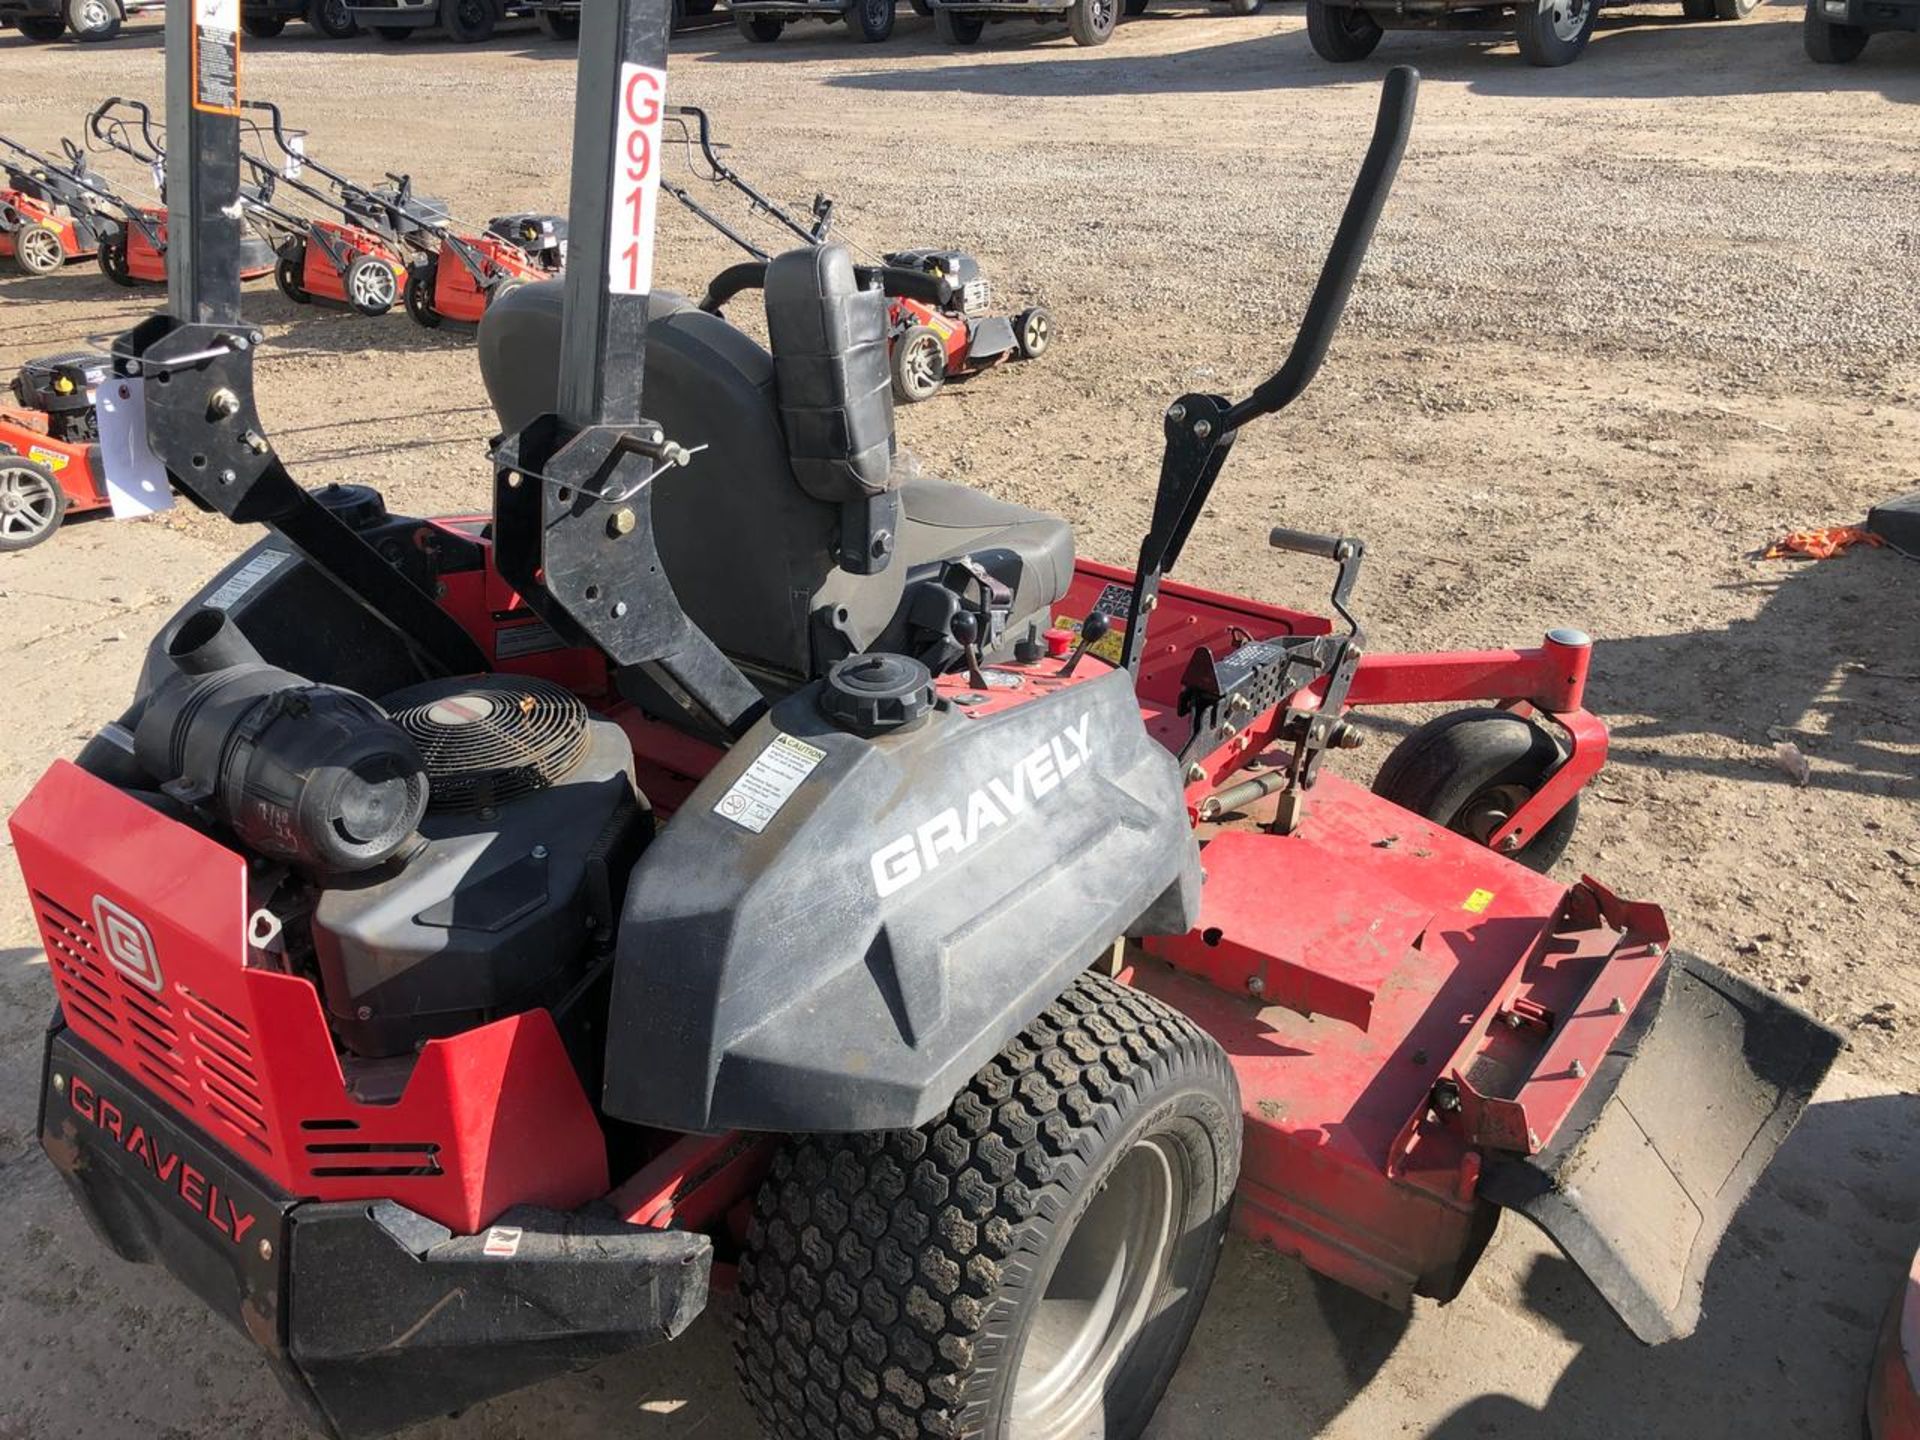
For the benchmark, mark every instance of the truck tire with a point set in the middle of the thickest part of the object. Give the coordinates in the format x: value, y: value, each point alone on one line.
x: 917, y: 1282
x: 873, y: 20
x: 1468, y: 770
x: 92, y: 21
x: 1091, y: 22
x: 1554, y: 32
x: 332, y: 19
x: 956, y: 27
x: 263, y: 27
x: 1830, y: 44
x: 469, y: 21
x: 1341, y: 33
x: 1734, y: 9
x: 1698, y: 10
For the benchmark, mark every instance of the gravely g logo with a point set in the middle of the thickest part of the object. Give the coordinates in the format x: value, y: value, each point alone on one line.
x: 172, y: 1173
x: 958, y: 829
x: 127, y: 945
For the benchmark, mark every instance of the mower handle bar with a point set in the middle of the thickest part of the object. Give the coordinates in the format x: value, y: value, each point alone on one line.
x: 894, y: 280
x: 111, y: 132
x: 1392, y: 125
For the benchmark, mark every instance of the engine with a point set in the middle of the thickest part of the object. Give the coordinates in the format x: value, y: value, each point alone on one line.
x: 61, y: 387
x: 449, y: 854
x: 543, y: 237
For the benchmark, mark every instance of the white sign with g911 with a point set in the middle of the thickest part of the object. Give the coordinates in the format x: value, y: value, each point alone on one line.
x: 636, y: 180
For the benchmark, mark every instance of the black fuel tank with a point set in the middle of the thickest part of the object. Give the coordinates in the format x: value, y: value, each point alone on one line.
x: 835, y: 932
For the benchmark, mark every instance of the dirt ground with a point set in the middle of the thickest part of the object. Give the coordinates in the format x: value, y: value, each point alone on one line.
x: 1625, y: 323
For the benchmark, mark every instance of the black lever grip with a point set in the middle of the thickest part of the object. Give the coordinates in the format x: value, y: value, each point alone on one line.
x: 1305, y: 542
x: 1391, y: 126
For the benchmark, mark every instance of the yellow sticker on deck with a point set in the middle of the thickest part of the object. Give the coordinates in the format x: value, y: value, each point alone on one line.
x: 1477, y: 902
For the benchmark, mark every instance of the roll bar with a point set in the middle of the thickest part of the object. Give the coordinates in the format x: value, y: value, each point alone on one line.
x: 1200, y: 429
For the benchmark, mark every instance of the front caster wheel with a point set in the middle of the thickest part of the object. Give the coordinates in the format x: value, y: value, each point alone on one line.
x: 1027, y: 1266
x: 1470, y: 770
x: 1033, y: 332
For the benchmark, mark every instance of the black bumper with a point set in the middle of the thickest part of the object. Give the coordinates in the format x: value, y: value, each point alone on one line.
x: 371, y: 1316
x: 1876, y: 15
x: 13, y: 11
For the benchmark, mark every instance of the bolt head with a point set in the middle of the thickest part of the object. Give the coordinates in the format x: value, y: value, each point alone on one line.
x: 1579, y: 1070
x: 1256, y: 985
x: 1510, y: 844
x: 514, y: 479
x: 1617, y: 1007
x: 1202, y: 428
x: 1176, y: 413
x: 539, y: 852
x: 1196, y: 772
x: 266, y: 1249
x: 621, y: 522
x: 59, y: 1084
x: 365, y: 1012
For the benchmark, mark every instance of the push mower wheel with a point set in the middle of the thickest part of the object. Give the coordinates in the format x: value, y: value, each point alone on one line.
x: 111, y: 257
x: 262, y: 27
x: 32, y: 504
x: 370, y: 285
x: 38, y: 248
x: 502, y: 290
x: 1033, y: 332
x: 420, y: 288
x: 42, y: 27
x: 559, y: 25
x: 761, y: 29
x: 919, y: 363
x: 1469, y: 770
x: 1554, y: 32
x: 956, y: 27
x: 1341, y: 33
x: 1031, y: 1263
x: 93, y: 20
x: 469, y: 21
x: 873, y: 19
x: 1091, y: 22
x: 394, y: 34
x: 1830, y: 44
x: 286, y: 274
x: 332, y: 19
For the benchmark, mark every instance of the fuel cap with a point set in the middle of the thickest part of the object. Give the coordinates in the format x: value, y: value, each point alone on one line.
x: 877, y: 694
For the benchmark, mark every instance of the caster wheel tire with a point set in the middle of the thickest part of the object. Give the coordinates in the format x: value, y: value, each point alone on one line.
x: 112, y: 260
x: 1033, y: 332
x: 1341, y: 33
x: 419, y: 298
x: 919, y: 362
x: 936, y: 1281
x: 286, y: 274
x: 1469, y: 770
x: 32, y: 504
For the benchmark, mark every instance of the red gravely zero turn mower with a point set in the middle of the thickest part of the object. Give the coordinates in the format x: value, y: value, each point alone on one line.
x: 933, y: 335
x: 482, y: 936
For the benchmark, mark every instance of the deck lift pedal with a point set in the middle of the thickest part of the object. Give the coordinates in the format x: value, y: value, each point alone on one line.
x: 897, y: 981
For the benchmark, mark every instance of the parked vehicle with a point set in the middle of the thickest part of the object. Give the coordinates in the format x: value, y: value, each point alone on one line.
x: 1549, y: 32
x: 1836, y: 31
x: 88, y: 20
x: 468, y: 21
x: 265, y: 19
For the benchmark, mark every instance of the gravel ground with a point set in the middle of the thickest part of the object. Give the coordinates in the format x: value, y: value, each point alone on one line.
x: 1624, y: 323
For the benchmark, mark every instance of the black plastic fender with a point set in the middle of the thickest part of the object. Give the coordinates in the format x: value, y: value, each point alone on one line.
x: 907, y: 905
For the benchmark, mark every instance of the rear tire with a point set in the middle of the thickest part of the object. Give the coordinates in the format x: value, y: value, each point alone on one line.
x: 1341, y: 33
x: 92, y: 21
x: 919, y: 364
x: 469, y: 21
x: 895, y: 1283
x: 1554, y: 32
x: 557, y: 25
x: 1033, y: 332
x: 332, y: 19
x: 111, y: 257
x: 32, y: 504
x: 873, y: 19
x: 420, y: 287
x: 371, y: 286
x: 42, y: 27
x: 956, y: 27
x: 262, y: 27
x: 1091, y: 22
x: 38, y: 248
x: 760, y: 29
x: 1469, y: 770
x: 1830, y: 44
x: 286, y: 274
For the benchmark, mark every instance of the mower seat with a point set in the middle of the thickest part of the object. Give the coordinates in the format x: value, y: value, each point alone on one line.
x: 750, y: 532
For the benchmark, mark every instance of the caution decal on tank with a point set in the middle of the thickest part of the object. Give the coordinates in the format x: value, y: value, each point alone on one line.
x: 768, y: 783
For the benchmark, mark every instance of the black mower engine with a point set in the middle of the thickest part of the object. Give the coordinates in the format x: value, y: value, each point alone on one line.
x: 434, y: 861
x: 543, y: 237
x: 61, y: 387
x: 975, y: 295
x: 396, y: 211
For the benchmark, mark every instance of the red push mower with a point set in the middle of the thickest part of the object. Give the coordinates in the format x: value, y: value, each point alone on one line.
x: 934, y: 336
x: 50, y: 463
x: 446, y: 274
x: 50, y: 213
x: 482, y: 937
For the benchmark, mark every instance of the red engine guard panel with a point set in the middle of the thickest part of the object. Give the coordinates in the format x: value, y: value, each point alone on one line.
x: 144, y: 922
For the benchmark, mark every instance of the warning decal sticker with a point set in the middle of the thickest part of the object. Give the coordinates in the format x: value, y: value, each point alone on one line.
x: 755, y: 798
x: 216, y: 56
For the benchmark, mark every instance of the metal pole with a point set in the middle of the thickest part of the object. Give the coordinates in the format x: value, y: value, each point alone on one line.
x: 617, y: 108
x: 203, y: 215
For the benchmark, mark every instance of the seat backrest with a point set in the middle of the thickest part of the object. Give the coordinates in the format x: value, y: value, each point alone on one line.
x: 829, y: 340
x: 751, y: 553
